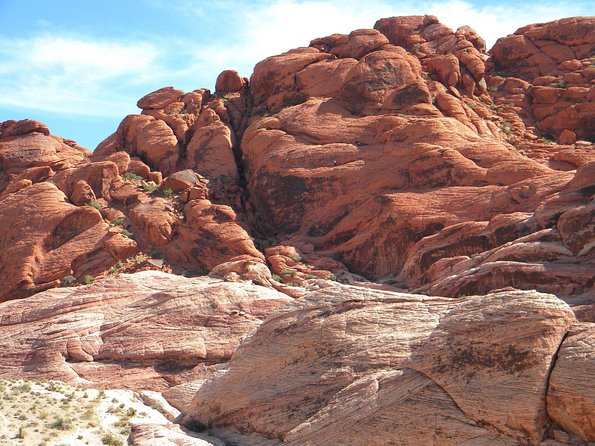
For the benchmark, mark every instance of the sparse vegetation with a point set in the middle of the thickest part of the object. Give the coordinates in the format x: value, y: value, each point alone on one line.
x: 87, y: 279
x: 94, y: 205
x: 507, y: 127
x: 61, y: 423
x: 296, y: 259
x: 195, y: 425
x: 149, y: 187
x: 68, y: 280
x: 276, y: 277
x: 132, y: 177
x: 110, y: 439
x: 492, y: 89
x: 288, y: 272
x: 117, y: 268
x: 155, y: 253
x: 140, y: 258
x: 117, y: 221
x: 559, y: 84
x: 126, y: 233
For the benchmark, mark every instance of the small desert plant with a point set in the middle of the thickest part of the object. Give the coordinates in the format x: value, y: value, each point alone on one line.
x: 332, y: 277
x: 24, y: 387
x: 61, y: 423
x: 87, y: 279
x: 296, y: 259
x: 139, y: 258
x: 110, y: 439
x: 150, y: 187
x: 276, y: 277
x: 195, y: 426
x: 126, y: 233
x: 167, y: 193
x: 492, y: 89
x: 117, y: 221
x: 68, y: 280
x: 94, y: 205
x: 132, y: 177
x: 288, y: 271
x: 116, y: 269
x: 559, y: 84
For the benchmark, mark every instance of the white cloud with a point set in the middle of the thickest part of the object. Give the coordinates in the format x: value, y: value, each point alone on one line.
x: 272, y: 27
x: 76, y: 74
x: 72, y: 74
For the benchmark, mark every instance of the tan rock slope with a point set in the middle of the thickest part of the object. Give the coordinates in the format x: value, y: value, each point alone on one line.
x: 147, y: 330
x: 352, y: 366
x: 399, y: 158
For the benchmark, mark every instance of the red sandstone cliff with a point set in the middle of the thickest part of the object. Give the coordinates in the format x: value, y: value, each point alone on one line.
x: 400, y: 157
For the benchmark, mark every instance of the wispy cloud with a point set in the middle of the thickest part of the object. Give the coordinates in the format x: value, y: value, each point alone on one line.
x: 71, y: 74
x: 78, y: 74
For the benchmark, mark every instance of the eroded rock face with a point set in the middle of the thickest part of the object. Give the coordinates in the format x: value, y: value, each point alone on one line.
x: 556, y: 61
x: 351, y: 365
x: 400, y: 154
x: 145, y: 330
x: 571, y: 398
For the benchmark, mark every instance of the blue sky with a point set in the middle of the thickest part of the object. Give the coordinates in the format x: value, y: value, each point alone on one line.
x: 80, y: 65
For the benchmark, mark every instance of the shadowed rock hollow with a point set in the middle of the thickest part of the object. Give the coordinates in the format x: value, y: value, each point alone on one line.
x: 399, y: 158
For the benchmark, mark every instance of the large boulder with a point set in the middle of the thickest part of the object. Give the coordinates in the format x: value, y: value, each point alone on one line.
x: 348, y: 365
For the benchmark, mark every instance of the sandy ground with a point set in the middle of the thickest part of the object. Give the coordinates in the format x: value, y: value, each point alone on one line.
x: 52, y: 413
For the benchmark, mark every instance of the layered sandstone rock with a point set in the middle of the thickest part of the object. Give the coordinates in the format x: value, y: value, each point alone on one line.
x: 348, y: 365
x: 146, y: 330
x: 553, y: 66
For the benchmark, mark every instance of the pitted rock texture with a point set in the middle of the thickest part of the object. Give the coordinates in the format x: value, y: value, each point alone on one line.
x: 145, y: 330
x: 347, y: 365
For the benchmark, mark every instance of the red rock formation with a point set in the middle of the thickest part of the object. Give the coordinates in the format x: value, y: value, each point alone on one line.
x: 403, y: 154
x: 382, y: 150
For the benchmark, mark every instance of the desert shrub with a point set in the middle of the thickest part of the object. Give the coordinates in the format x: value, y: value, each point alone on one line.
x: 68, y: 280
x: 195, y: 425
x: 110, y: 439
x: 126, y: 233
x: 61, y: 423
x: 24, y: 387
x: 117, y: 268
x: 288, y: 272
x: 117, y: 221
x: 87, y: 279
x: 559, y: 84
x: 94, y: 205
x: 150, y: 187
x: 132, y: 177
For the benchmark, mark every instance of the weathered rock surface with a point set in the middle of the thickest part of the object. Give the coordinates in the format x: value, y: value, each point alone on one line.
x: 404, y: 154
x: 348, y: 365
x: 145, y: 330
x: 571, y: 395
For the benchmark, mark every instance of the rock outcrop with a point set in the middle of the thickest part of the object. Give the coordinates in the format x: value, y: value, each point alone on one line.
x: 404, y: 154
x: 146, y: 330
x: 348, y: 365
x: 399, y: 158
